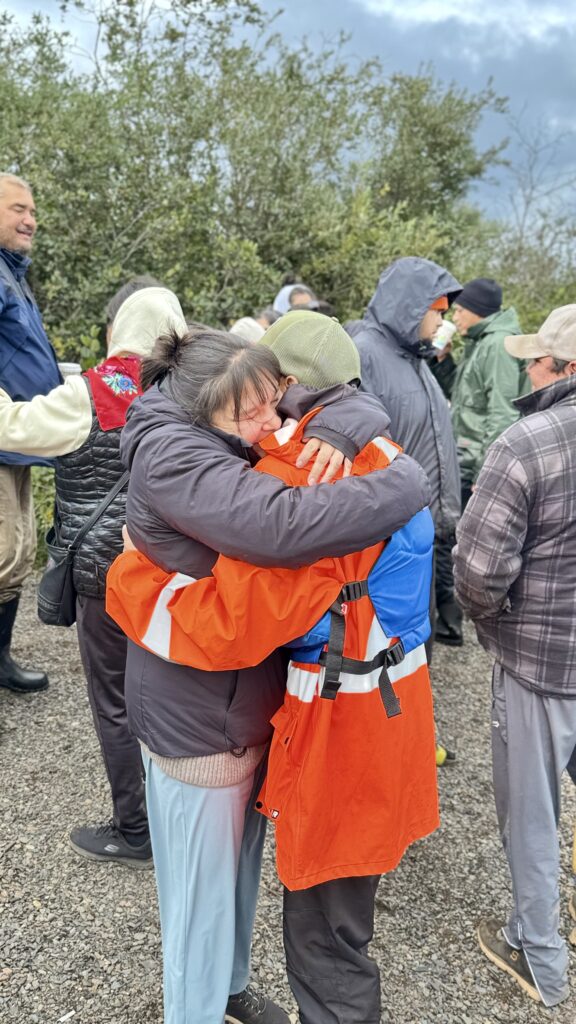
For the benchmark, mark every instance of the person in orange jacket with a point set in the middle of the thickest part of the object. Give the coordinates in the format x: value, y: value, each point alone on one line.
x: 370, y: 750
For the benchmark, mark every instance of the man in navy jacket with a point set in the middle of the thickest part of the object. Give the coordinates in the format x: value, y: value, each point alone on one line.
x: 28, y: 367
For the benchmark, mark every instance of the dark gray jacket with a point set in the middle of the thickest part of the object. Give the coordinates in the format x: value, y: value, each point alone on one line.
x: 193, y: 494
x: 394, y: 368
x: 515, y: 561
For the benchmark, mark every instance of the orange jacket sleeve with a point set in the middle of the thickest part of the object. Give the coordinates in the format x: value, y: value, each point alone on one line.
x: 231, y: 620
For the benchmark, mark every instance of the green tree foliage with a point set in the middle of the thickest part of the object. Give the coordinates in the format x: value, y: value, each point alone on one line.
x: 43, y: 491
x: 178, y: 147
x: 427, y: 156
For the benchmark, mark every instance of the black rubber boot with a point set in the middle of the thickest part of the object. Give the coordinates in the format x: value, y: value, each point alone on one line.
x: 449, y: 624
x: 12, y: 677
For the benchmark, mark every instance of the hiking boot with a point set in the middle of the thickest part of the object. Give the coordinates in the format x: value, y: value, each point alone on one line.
x: 494, y: 945
x: 107, y: 843
x: 249, y: 1007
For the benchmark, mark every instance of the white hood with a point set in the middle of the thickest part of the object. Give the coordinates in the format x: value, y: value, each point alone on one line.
x: 143, y: 317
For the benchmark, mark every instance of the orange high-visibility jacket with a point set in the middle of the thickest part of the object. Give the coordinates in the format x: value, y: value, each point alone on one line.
x: 348, y: 788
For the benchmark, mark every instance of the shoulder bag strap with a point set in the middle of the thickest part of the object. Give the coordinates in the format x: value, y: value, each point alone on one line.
x: 75, y: 544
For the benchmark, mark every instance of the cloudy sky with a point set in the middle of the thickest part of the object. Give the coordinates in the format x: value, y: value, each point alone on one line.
x: 527, y: 47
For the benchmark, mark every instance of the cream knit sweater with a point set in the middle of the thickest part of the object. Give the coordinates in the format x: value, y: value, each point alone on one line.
x: 60, y: 422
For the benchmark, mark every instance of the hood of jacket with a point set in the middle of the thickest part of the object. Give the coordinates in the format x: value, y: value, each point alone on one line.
x: 281, y: 303
x: 143, y: 317
x: 562, y: 391
x: 405, y: 291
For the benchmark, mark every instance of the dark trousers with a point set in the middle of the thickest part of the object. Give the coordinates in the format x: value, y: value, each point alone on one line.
x: 103, y: 652
x: 445, y: 602
x: 327, y: 930
x: 443, y: 572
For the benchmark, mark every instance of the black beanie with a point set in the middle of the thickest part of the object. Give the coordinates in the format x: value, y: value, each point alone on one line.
x: 482, y: 296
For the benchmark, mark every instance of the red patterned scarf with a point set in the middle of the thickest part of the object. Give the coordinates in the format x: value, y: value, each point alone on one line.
x: 115, y: 384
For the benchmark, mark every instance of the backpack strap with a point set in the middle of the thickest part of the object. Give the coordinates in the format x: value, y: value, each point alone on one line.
x: 335, y: 663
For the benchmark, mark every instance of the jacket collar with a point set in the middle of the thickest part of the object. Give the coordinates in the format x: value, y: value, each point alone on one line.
x: 504, y: 320
x: 16, y: 261
x: 477, y: 330
x: 563, y: 391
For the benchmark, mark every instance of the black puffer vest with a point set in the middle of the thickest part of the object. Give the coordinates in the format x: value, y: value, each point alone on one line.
x: 83, y: 479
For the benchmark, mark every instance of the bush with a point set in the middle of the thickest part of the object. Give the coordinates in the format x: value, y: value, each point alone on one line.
x: 43, y: 491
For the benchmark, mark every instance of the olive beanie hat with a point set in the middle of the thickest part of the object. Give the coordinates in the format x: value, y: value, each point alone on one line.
x: 313, y: 348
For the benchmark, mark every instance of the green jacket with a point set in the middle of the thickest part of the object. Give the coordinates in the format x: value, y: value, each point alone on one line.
x: 487, y: 381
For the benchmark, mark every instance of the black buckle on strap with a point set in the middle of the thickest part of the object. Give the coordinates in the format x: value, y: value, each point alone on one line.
x: 332, y: 658
x: 390, y: 656
x: 395, y: 654
x: 335, y: 664
x: 354, y: 591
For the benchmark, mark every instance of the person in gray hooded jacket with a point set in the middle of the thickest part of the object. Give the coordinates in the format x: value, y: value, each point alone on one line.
x: 394, y: 341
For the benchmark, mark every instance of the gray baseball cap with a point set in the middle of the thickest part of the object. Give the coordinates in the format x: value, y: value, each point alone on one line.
x: 556, y: 337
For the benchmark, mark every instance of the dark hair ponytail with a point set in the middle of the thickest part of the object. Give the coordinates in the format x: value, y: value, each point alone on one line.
x: 164, y: 357
x: 205, y: 369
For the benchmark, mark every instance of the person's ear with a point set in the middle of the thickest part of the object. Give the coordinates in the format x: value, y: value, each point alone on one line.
x: 571, y: 368
x: 290, y: 379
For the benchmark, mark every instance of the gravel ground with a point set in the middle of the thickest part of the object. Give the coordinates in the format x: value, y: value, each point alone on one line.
x: 80, y: 942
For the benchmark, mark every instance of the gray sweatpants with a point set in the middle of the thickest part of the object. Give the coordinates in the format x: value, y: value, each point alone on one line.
x: 533, y: 738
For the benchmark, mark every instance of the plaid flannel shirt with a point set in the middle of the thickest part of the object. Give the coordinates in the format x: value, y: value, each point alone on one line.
x: 515, y: 558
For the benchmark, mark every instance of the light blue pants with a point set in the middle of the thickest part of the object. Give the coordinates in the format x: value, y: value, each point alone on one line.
x: 533, y: 738
x: 207, y: 846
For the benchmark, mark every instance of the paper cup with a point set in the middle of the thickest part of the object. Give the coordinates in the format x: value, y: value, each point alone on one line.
x: 444, y: 334
x: 68, y: 369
